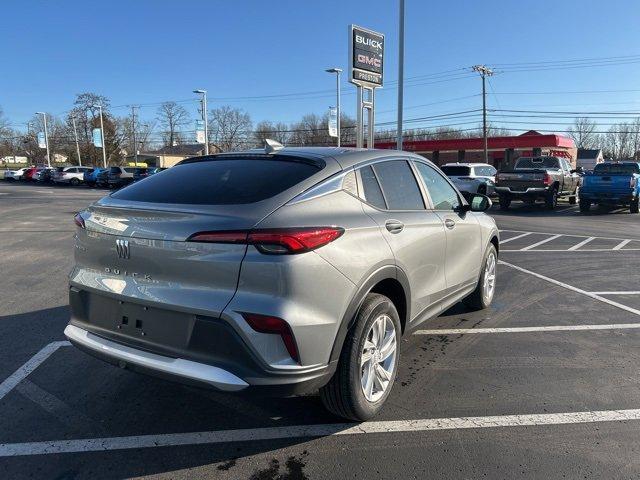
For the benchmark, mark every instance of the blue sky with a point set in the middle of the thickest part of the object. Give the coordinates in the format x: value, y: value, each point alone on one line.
x: 142, y: 51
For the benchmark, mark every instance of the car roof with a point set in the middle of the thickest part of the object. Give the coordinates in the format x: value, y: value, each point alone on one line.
x: 466, y: 164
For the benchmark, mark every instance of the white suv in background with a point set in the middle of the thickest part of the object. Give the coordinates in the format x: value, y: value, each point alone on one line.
x: 70, y: 175
x: 13, y: 175
x: 472, y: 177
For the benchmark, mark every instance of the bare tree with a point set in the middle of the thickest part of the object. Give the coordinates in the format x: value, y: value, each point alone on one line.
x: 619, y: 141
x: 583, y: 133
x: 230, y: 128
x: 275, y: 131
x: 172, y: 117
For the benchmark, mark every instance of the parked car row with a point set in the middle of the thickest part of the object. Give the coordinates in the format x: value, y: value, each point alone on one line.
x: 549, y: 178
x: 111, y: 177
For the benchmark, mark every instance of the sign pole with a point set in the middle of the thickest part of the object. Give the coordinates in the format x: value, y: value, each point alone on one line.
x: 366, y: 62
x: 400, y: 76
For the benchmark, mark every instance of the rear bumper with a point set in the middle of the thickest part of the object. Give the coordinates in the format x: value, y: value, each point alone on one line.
x: 173, y: 367
x: 208, y: 352
x: 607, y: 198
x: 527, y: 191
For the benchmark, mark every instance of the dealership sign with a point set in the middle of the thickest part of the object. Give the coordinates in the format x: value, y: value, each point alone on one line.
x: 333, y: 122
x: 42, y: 141
x: 97, y: 137
x: 366, y: 57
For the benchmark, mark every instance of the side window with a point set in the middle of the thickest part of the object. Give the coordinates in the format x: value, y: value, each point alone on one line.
x: 399, y: 186
x: 443, y: 195
x: 372, y: 192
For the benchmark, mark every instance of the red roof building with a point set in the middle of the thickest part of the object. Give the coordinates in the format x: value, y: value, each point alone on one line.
x: 502, y: 150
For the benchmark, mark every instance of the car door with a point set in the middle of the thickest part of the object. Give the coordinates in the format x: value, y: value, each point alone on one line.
x: 415, y: 234
x: 464, y: 253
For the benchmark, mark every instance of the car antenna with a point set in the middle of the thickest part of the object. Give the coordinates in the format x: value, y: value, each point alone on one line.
x: 271, y: 146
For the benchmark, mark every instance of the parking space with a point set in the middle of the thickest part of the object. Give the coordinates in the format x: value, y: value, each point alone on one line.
x: 546, y: 385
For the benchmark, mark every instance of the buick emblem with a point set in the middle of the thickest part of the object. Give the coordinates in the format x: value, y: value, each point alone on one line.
x: 122, y: 247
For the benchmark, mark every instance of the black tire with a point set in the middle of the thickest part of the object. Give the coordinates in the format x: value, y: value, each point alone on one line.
x: 572, y: 200
x: 343, y: 395
x: 585, y: 205
x: 551, y: 200
x: 477, y: 300
x: 505, y: 201
x: 633, y: 206
x: 74, y: 182
x: 482, y: 189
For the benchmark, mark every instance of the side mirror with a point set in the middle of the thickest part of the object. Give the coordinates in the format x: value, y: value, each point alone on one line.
x: 479, y: 202
x: 578, y: 170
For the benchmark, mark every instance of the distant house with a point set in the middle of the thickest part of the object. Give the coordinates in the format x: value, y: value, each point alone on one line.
x: 588, y: 158
x: 168, y: 156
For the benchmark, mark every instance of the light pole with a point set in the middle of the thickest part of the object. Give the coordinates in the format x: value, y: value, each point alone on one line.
x: 484, y: 72
x: 46, y: 136
x: 75, y: 133
x: 337, y: 71
x: 102, y: 135
x: 204, y: 119
x: 400, y: 75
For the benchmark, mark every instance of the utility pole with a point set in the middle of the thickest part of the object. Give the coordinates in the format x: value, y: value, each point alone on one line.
x: 484, y: 72
x: 46, y: 136
x: 75, y: 133
x: 400, y: 75
x: 133, y: 128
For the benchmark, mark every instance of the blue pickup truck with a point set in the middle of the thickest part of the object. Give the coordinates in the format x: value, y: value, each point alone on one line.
x: 611, y: 183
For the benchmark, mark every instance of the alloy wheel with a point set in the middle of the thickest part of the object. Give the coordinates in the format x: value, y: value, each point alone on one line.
x: 378, y: 358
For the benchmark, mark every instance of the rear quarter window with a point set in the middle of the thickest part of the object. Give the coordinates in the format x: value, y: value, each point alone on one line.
x: 220, y: 182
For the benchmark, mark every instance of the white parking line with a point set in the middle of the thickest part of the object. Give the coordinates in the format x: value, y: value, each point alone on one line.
x: 631, y: 292
x: 322, y: 430
x: 582, y: 243
x: 620, y: 245
x: 546, y: 250
x: 514, y: 238
x: 529, y: 247
x: 574, y: 289
x: 16, y: 377
x: 551, y: 328
x: 564, y: 234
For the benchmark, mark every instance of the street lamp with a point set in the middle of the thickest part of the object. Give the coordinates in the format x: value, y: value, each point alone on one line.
x: 46, y: 136
x: 102, y: 139
x: 204, y: 119
x: 337, y: 71
x: 75, y: 133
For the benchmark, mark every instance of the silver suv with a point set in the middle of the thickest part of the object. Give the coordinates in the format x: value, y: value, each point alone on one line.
x: 290, y: 270
x: 472, y: 177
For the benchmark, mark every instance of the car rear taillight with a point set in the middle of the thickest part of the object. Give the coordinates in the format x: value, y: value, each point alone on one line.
x: 547, y: 180
x: 78, y: 220
x: 275, y: 241
x: 274, y: 325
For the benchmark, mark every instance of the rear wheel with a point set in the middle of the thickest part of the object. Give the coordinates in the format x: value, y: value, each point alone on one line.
x: 633, y: 206
x: 482, y: 296
x: 551, y: 200
x: 74, y: 182
x: 505, y: 201
x: 368, y: 363
x: 482, y: 189
x: 585, y: 205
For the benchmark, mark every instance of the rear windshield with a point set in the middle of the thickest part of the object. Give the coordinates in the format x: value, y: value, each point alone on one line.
x: 627, y: 168
x: 219, y: 182
x: 114, y: 170
x: 542, y: 162
x: 455, y: 171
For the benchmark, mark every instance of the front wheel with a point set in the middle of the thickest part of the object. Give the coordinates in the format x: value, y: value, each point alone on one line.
x: 633, y: 206
x: 368, y: 362
x: 482, y: 296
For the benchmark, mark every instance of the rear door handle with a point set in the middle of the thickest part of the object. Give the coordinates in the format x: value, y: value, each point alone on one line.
x: 394, y: 226
x: 449, y: 223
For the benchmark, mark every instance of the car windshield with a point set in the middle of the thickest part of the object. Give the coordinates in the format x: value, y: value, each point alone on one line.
x: 626, y: 168
x: 220, y: 181
x: 456, y: 171
x: 538, y: 162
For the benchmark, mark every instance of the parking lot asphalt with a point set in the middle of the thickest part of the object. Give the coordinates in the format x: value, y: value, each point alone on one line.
x: 543, y: 384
